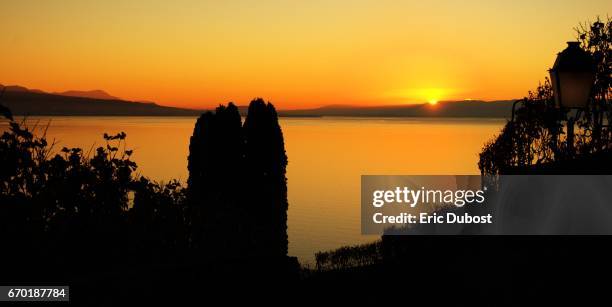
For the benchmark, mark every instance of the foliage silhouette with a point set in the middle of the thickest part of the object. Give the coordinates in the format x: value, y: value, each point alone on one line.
x: 350, y: 256
x: 68, y: 205
x: 532, y: 138
x: 70, y: 213
x: 537, y: 137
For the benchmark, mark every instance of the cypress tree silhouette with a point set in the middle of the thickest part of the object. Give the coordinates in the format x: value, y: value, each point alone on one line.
x: 266, y: 163
x: 237, y: 183
x: 214, y: 163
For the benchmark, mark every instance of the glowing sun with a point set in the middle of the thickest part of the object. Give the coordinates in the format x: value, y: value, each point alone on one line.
x: 432, y: 95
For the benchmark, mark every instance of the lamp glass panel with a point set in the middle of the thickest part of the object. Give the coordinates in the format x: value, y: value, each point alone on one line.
x: 575, y: 88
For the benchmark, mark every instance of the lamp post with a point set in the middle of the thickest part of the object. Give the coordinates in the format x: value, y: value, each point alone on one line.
x: 572, y: 77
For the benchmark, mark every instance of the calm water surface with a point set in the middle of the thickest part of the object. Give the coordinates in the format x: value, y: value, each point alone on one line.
x: 327, y: 156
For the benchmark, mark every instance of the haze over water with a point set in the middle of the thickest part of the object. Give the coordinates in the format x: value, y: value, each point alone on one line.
x: 327, y: 156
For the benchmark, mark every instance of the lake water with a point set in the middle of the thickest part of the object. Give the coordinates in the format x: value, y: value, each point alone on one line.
x: 327, y: 156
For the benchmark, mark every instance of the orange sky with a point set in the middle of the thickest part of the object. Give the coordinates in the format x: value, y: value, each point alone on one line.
x: 297, y: 54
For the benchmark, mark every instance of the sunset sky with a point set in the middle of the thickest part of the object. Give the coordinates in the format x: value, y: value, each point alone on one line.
x: 297, y: 54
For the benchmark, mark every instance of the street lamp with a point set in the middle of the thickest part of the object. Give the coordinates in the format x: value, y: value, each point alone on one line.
x: 572, y: 77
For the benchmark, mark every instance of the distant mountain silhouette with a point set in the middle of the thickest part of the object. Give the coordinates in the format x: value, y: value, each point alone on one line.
x: 95, y: 94
x: 24, y: 101
x: 472, y: 108
x: 18, y: 88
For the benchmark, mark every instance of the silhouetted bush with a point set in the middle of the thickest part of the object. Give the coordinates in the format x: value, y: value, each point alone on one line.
x: 74, y: 209
x: 532, y: 138
x: 350, y: 256
x: 158, y: 220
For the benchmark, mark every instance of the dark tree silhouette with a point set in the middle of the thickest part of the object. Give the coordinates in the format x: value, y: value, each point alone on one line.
x: 237, y: 182
x: 215, y: 166
x: 267, y: 182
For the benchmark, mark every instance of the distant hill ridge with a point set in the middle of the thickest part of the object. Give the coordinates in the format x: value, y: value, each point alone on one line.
x: 467, y: 108
x: 24, y: 101
x: 94, y: 94
x: 18, y: 88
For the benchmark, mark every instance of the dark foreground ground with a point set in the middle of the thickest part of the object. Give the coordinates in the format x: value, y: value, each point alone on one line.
x: 452, y: 271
